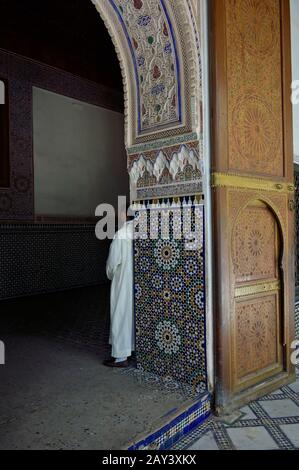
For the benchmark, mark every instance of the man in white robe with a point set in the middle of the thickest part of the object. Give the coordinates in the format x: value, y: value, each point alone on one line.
x: 120, y: 272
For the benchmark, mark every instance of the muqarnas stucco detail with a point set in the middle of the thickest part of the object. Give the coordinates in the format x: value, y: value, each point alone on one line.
x: 173, y: 171
x: 170, y: 297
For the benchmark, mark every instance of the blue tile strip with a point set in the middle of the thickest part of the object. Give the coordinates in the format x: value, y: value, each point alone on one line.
x: 177, y: 428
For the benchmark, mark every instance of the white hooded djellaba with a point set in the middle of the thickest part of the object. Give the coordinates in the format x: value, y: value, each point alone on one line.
x: 120, y: 272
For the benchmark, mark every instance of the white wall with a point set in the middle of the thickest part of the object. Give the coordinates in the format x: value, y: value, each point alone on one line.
x: 79, y: 155
x: 295, y: 60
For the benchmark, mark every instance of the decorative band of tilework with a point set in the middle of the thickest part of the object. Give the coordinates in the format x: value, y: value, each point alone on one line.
x: 176, y: 428
x: 40, y: 258
x: 162, y: 143
x: 170, y: 295
x: 170, y: 191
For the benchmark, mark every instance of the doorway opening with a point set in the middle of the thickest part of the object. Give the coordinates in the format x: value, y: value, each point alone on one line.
x: 55, y: 297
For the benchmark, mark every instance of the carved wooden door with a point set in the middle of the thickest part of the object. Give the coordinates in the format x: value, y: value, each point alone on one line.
x: 257, y: 327
x: 253, y: 193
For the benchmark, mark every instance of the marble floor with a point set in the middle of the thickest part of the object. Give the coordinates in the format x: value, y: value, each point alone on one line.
x: 266, y: 424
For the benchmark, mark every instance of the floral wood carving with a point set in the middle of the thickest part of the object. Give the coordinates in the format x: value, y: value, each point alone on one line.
x: 256, y: 335
x: 254, y: 98
x: 254, y: 245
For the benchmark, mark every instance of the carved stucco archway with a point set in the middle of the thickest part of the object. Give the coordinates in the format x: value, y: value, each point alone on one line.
x: 158, y: 46
x: 159, y: 49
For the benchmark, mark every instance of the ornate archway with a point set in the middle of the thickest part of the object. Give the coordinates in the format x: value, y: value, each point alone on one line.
x: 157, y: 42
x: 159, y: 49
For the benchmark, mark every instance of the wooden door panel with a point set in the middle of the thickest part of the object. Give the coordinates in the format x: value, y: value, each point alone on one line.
x: 255, y: 245
x: 258, y: 351
x: 254, y: 87
x: 257, y: 331
x: 252, y: 195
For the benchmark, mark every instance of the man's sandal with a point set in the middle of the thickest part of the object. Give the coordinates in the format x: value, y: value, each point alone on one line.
x: 113, y: 363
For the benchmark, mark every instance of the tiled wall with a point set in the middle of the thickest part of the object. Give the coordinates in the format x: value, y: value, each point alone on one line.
x: 170, y: 300
x: 45, y: 258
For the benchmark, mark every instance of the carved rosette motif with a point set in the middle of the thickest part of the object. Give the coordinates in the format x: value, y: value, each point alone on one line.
x: 256, y: 26
x: 254, y: 99
x: 256, y: 335
x: 254, y: 244
x: 253, y: 121
x: 239, y: 199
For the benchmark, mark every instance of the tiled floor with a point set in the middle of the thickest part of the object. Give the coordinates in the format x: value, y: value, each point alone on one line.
x: 69, y: 323
x: 269, y: 423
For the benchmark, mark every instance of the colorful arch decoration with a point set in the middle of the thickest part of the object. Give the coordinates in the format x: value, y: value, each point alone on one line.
x: 158, y: 45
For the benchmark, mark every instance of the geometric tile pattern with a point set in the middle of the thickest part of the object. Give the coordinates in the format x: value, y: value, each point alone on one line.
x: 165, y: 385
x: 169, y: 297
x: 46, y: 258
x: 77, y: 317
x: 182, y: 188
x: 272, y: 422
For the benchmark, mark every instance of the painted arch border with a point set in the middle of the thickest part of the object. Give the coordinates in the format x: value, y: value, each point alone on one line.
x: 177, y: 61
x: 182, y: 17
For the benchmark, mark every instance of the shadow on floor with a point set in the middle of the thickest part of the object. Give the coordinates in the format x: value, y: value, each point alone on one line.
x: 55, y: 392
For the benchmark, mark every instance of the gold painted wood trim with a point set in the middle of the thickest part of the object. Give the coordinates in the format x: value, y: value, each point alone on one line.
x: 235, y: 181
x: 257, y: 289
